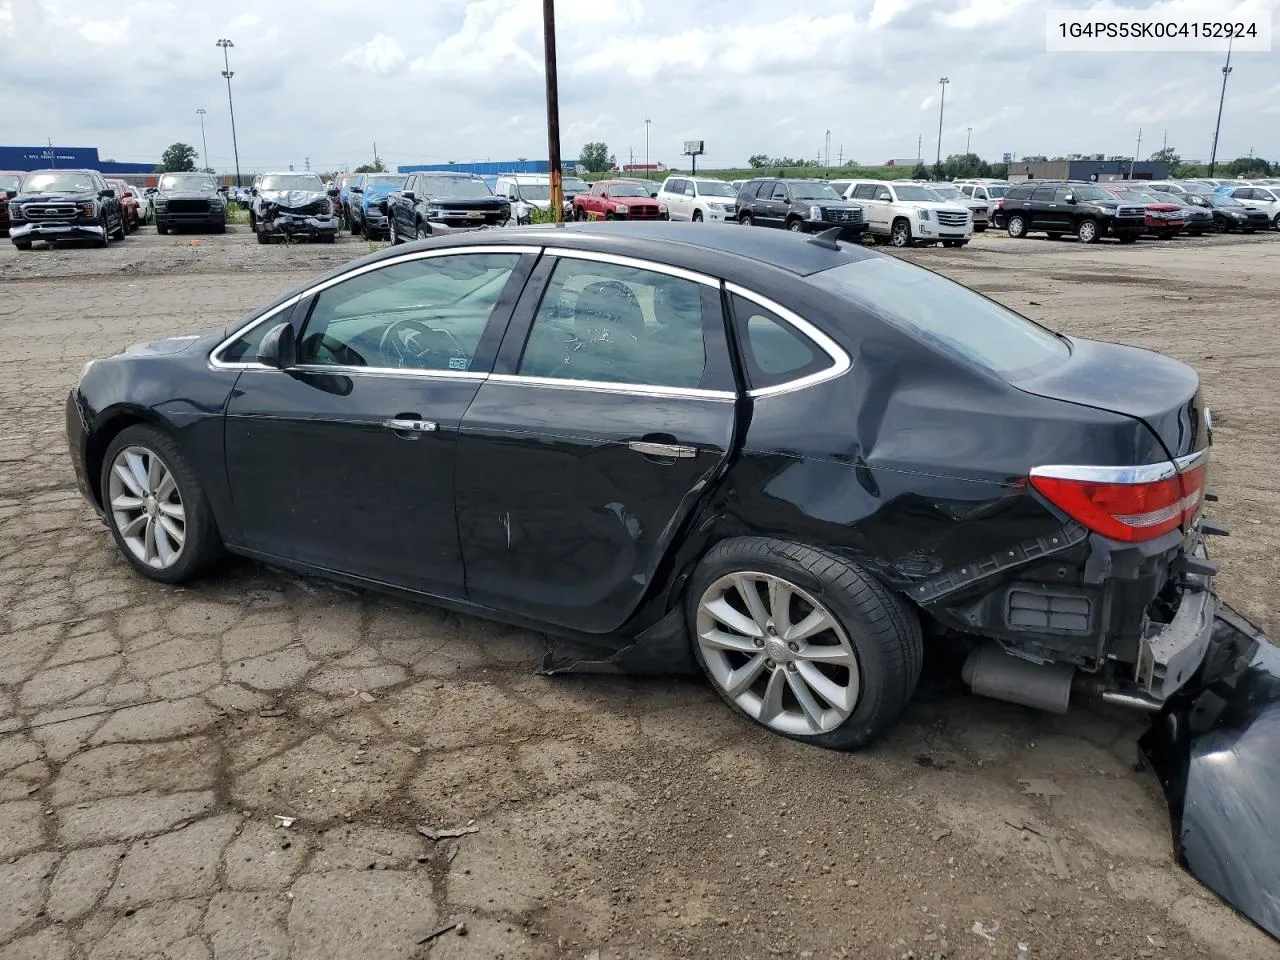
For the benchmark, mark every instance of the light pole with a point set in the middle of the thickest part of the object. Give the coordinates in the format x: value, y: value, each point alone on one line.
x: 826, y: 158
x: 553, y: 108
x: 646, y: 148
x: 968, y: 136
x: 942, y: 104
x: 204, y: 144
x: 228, y: 73
x: 1226, y: 71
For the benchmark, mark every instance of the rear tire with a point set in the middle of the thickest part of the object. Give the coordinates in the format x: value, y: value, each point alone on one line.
x: 201, y: 545
x: 1275, y: 224
x: 879, y: 633
x: 22, y: 244
x: 421, y: 231
x: 1016, y: 226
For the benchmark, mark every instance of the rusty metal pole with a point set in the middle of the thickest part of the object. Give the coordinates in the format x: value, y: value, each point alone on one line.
x: 553, y: 108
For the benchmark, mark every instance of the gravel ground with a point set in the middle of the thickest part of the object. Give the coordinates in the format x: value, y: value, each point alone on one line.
x: 149, y: 737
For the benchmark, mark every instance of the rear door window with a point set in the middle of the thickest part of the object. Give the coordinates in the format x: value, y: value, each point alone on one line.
x: 1043, y: 194
x: 947, y: 316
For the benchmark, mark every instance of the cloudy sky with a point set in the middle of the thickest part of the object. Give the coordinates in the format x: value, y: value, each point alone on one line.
x: 439, y: 80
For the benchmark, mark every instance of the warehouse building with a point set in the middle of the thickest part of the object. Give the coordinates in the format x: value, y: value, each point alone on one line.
x: 487, y: 167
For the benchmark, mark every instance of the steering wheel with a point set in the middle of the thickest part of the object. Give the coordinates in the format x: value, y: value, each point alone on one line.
x: 410, y: 340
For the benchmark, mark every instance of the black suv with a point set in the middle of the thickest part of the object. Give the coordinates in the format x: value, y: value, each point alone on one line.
x: 65, y: 205
x: 433, y: 203
x: 189, y: 199
x: 799, y: 205
x: 1059, y: 207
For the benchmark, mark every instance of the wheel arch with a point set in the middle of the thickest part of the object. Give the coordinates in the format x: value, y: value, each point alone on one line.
x: 108, y: 425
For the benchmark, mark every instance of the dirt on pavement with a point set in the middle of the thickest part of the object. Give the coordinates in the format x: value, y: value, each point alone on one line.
x: 151, y: 738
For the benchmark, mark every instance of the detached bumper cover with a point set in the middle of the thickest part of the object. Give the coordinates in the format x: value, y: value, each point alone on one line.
x: 1214, y: 748
x: 298, y: 225
x: 54, y: 231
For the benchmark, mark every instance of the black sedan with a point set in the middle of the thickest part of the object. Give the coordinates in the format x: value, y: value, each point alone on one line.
x: 783, y: 459
x: 1230, y: 214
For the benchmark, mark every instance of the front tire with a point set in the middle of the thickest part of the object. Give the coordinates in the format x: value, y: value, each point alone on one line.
x: 803, y: 642
x: 745, y: 219
x: 421, y: 232
x: 1275, y: 224
x: 391, y: 232
x: 900, y: 233
x: 697, y: 216
x: 121, y: 230
x: 156, y: 509
x: 1016, y: 226
x: 1087, y: 230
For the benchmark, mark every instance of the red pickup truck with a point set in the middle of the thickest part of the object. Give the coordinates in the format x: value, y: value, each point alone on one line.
x: 9, y: 180
x: 618, y: 200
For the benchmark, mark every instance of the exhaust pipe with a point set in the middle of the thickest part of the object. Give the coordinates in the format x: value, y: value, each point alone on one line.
x: 991, y: 672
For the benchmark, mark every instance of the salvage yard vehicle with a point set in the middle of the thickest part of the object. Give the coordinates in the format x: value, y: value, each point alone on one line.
x: 800, y: 206
x: 9, y: 180
x: 699, y: 199
x: 979, y: 210
x: 909, y: 214
x: 129, y: 205
x: 434, y: 203
x: 1231, y: 214
x: 293, y: 206
x: 527, y: 192
x: 366, y: 194
x: 618, y: 200
x: 189, y: 200
x: 1264, y: 198
x: 1061, y: 207
x: 1162, y: 219
x: 65, y: 205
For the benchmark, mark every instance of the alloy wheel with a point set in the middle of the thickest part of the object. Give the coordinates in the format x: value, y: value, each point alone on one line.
x: 1016, y: 227
x: 901, y: 234
x: 777, y: 653
x: 1087, y: 231
x: 146, y: 507
x: 422, y: 232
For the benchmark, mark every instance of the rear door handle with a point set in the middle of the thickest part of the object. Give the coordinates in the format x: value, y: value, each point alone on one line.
x: 410, y: 426
x: 649, y: 449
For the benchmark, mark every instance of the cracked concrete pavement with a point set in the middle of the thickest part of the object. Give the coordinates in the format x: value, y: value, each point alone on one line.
x: 150, y: 737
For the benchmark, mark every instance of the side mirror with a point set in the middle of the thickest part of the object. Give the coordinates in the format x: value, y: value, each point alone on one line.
x: 11, y: 194
x: 357, y: 189
x: 407, y: 194
x: 253, y: 191
x: 882, y: 196
x: 278, y: 348
x: 106, y: 194
x: 654, y: 195
x: 332, y: 191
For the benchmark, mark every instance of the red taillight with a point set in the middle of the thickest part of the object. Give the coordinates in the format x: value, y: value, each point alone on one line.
x: 1127, y: 503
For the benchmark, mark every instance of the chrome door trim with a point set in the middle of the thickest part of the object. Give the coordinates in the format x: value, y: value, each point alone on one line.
x: 840, y: 362
x: 604, y: 386
x: 678, y: 450
x: 323, y: 285
x: 637, y: 263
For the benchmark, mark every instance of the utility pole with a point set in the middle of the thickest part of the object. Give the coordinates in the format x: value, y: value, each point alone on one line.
x: 840, y: 156
x: 53, y: 154
x: 646, y: 148
x: 919, y: 147
x: 1164, y: 143
x: 1136, y: 151
x: 942, y: 105
x: 306, y: 163
x: 553, y: 108
x: 826, y: 157
x: 227, y: 74
x: 967, y: 138
x: 1226, y: 71
x: 204, y: 144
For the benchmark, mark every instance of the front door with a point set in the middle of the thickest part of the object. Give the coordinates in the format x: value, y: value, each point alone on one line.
x: 346, y: 461
x: 775, y: 208
x: 611, y: 410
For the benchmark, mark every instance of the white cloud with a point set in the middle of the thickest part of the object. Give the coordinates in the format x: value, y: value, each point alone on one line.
x: 381, y: 56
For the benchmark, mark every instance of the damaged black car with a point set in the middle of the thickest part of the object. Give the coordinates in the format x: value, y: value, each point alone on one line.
x: 293, y: 206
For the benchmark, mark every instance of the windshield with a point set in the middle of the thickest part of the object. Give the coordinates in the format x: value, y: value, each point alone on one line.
x: 811, y: 190
x: 1222, y: 200
x: 291, y: 181
x: 535, y: 192
x: 58, y: 182
x: 911, y: 192
x: 715, y: 188
x: 385, y: 180
x: 187, y: 181
x: 1136, y: 195
x: 574, y: 185
x: 461, y: 188
x: 946, y: 315
x: 949, y: 193
x: 344, y: 182
x: 628, y: 190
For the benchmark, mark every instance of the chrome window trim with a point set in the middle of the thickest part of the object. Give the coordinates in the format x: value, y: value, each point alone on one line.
x: 840, y: 362
x: 1148, y: 473
x: 1192, y: 460
x: 218, y: 364
x: 635, y: 263
x: 604, y: 386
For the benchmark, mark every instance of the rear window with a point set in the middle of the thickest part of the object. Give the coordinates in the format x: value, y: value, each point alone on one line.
x: 947, y: 315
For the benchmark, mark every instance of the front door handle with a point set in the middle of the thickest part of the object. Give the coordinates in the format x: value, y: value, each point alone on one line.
x: 408, y: 425
x: 649, y: 449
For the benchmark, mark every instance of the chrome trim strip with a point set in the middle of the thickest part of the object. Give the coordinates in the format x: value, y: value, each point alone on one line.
x: 840, y: 362
x: 348, y: 371
x: 675, y: 450
x: 634, y: 262
x: 1148, y: 473
x: 333, y: 281
x: 626, y: 389
x: 1192, y: 460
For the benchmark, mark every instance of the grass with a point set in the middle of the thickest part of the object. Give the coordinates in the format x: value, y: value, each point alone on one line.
x: 236, y: 214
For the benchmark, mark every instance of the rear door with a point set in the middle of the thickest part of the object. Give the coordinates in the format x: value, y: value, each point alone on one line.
x: 611, y: 410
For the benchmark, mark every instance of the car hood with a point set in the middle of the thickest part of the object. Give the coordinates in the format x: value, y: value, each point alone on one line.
x: 943, y: 206
x: 161, y: 348
x: 291, y: 198
x: 37, y: 198
x: 1213, y: 746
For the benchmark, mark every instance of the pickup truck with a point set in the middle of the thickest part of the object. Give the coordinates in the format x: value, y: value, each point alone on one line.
x: 435, y: 203
x: 618, y: 200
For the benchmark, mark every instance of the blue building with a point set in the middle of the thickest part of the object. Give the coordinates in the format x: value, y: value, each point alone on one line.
x: 490, y: 168
x: 79, y: 158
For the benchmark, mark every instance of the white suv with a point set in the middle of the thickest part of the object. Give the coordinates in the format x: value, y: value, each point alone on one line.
x: 527, y: 192
x: 906, y: 214
x: 1266, y: 199
x: 980, y: 210
x: 700, y: 199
